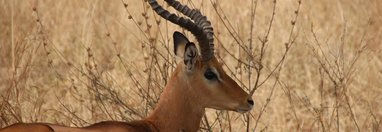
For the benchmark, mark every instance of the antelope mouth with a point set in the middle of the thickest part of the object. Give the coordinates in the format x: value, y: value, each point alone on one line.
x: 244, y: 109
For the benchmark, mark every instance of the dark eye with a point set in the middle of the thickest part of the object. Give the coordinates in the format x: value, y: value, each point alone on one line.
x: 210, y: 75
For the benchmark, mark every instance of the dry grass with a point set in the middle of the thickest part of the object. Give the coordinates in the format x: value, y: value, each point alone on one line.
x: 312, y: 67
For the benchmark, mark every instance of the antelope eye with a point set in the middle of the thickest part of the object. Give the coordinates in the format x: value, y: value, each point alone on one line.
x: 210, y: 75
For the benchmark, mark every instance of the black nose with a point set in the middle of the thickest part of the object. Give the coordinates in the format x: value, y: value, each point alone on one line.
x: 250, y: 101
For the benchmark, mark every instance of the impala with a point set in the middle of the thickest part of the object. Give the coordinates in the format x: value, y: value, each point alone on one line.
x: 197, y: 83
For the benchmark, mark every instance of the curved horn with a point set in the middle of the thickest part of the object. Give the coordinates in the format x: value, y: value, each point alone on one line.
x: 201, y: 28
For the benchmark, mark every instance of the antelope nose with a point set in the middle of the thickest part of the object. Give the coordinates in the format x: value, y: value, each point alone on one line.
x: 250, y: 101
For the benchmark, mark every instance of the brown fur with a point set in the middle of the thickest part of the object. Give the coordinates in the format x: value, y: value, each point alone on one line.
x: 27, y: 127
x: 110, y: 126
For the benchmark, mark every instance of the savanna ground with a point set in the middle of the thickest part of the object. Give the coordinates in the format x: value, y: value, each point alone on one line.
x: 312, y: 65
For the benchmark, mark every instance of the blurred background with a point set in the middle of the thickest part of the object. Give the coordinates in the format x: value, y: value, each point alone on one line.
x: 312, y: 65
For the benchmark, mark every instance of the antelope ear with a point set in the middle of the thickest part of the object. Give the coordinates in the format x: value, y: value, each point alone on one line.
x: 190, y: 56
x: 180, y: 42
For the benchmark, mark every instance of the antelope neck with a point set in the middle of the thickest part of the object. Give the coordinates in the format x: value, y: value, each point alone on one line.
x: 177, y: 109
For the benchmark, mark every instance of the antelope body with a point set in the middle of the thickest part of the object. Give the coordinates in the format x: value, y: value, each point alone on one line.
x: 197, y: 83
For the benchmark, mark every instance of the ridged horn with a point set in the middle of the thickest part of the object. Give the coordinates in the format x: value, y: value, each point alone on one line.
x: 199, y: 26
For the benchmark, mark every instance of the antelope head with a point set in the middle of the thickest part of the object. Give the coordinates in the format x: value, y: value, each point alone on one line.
x: 202, y: 72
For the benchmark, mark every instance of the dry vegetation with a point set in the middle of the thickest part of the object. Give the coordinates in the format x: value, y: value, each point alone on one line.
x: 313, y: 66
